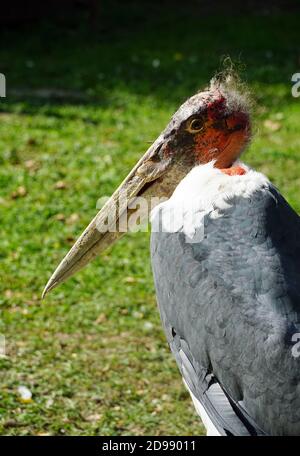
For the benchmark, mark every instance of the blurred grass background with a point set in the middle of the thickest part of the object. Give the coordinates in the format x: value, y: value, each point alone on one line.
x: 85, y: 95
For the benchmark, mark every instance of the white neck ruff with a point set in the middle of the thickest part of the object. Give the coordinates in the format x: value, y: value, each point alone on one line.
x: 204, y: 190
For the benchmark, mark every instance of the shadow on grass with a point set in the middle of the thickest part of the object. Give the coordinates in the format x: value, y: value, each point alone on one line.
x: 146, y: 51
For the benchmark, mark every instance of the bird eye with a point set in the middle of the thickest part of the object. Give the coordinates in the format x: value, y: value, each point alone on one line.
x: 195, y: 125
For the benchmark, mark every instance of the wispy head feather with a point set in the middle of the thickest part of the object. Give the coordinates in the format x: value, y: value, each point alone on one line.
x: 236, y: 92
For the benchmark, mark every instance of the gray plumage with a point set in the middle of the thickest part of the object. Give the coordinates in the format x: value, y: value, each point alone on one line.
x: 230, y: 306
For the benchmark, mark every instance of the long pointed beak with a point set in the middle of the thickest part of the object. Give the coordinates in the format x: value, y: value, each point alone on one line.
x: 108, y: 225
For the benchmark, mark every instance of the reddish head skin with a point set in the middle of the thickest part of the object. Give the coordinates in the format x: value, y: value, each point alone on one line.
x: 224, y: 133
x: 234, y: 171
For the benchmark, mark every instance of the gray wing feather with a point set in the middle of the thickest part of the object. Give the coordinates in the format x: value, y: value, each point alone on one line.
x: 233, y: 300
x: 227, y: 417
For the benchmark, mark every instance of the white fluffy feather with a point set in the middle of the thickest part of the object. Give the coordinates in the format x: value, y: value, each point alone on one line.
x: 211, y: 430
x: 204, y: 190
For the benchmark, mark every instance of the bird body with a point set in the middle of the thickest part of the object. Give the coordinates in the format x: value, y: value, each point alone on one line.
x: 230, y: 299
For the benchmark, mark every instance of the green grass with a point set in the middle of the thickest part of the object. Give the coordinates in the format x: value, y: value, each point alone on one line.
x: 88, y: 353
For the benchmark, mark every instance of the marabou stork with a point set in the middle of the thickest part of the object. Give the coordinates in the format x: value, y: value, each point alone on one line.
x: 226, y: 269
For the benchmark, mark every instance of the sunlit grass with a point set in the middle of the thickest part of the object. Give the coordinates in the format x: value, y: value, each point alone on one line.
x: 93, y: 353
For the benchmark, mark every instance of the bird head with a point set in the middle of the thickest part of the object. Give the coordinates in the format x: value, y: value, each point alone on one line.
x: 213, y: 125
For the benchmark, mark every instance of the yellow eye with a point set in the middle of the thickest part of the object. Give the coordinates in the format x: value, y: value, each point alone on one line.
x: 195, y: 125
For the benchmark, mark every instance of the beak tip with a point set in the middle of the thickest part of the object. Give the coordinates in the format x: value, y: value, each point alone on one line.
x: 45, y: 291
x: 50, y: 285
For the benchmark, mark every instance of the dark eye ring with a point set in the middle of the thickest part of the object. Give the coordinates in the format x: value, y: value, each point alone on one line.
x: 195, y: 125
